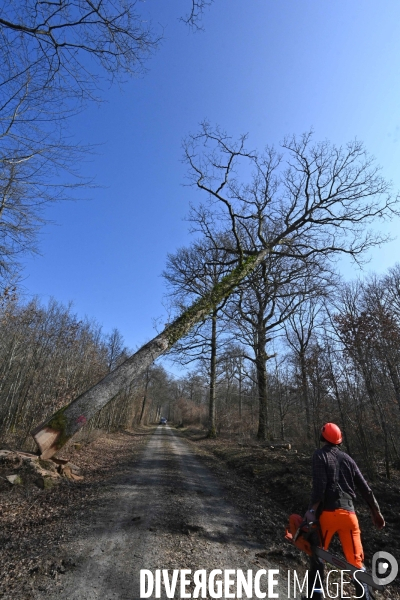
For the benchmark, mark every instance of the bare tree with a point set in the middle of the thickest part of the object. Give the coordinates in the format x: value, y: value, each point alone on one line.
x: 46, y: 43
x: 317, y: 202
x: 47, y: 53
x: 310, y: 199
x: 370, y: 335
x: 117, y: 352
x: 267, y: 298
x: 299, y: 329
x: 55, y: 57
x: 47, y: 357
x: 55, y: 52
x: 29, y: 180
x: 194, y: 17
x: 191, y: 273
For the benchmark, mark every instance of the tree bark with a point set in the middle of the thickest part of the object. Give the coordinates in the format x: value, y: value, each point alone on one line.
x: 395, y: 379
x: 144, y: 396
x: 240, y: 392
x: 263, y: 425
x: 212, y: 432
x: 304, y: 391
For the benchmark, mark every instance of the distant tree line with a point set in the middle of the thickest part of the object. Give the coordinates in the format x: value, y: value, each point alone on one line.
x: 48, y: 357
x: 292, y: 346
x: 287, y: 348
x: 278, y: 342
x: 337, y: 358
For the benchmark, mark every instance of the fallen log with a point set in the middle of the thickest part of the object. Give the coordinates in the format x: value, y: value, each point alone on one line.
x: 55, y: 431
x: 70, y: 472
x: 46, y: 473
x: 263, y: 445
x: 285, y: 446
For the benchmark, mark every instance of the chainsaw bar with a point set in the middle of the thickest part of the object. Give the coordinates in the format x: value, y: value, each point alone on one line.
x: 345, y: 566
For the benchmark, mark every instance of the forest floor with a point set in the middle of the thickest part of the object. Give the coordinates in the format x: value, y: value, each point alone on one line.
x: 172, y: 500
x: 279, y: 481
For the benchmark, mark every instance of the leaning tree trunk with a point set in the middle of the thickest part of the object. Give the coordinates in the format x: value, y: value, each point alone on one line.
x: 51, y: 435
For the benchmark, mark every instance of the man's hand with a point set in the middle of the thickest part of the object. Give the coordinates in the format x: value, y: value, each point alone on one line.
x: 377, y: 519
x: 310, y: 516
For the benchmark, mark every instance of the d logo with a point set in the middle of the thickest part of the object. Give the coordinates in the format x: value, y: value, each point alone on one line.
x: 384, y: 568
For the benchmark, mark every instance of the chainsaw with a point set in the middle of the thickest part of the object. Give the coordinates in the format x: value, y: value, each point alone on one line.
x: 297, y: 535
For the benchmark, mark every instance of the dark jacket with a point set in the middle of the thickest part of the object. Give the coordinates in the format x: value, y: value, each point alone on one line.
x: 350, y: 478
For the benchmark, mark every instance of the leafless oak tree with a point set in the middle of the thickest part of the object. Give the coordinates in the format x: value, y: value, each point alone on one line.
x: 314, y: 200
x: 306, y: 205
x: 307, y: 199
x: 299, y: 329
x: 191, y: 273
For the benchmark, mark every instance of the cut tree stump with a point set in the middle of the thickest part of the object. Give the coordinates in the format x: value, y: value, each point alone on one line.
x: 46, y: 473
x: 280, y: 447
x: 14, y: 479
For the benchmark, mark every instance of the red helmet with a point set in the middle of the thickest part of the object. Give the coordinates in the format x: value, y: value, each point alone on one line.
x: 331, y: 433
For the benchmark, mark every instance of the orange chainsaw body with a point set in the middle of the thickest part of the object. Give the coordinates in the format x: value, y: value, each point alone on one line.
x: 295, y: 536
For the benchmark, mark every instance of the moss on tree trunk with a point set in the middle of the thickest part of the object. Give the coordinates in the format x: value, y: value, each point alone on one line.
x: 60, y: 427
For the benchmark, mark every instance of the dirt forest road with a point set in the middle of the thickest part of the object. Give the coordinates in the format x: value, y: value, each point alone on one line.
x: 169, y: 512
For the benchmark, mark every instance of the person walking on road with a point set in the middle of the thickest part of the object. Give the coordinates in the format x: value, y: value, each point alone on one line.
x: 336, y: 476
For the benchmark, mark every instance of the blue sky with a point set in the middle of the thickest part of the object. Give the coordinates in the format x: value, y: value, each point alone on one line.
x: 264, y: 67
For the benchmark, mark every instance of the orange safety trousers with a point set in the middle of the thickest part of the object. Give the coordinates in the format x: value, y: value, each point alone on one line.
x: 344, y: 523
